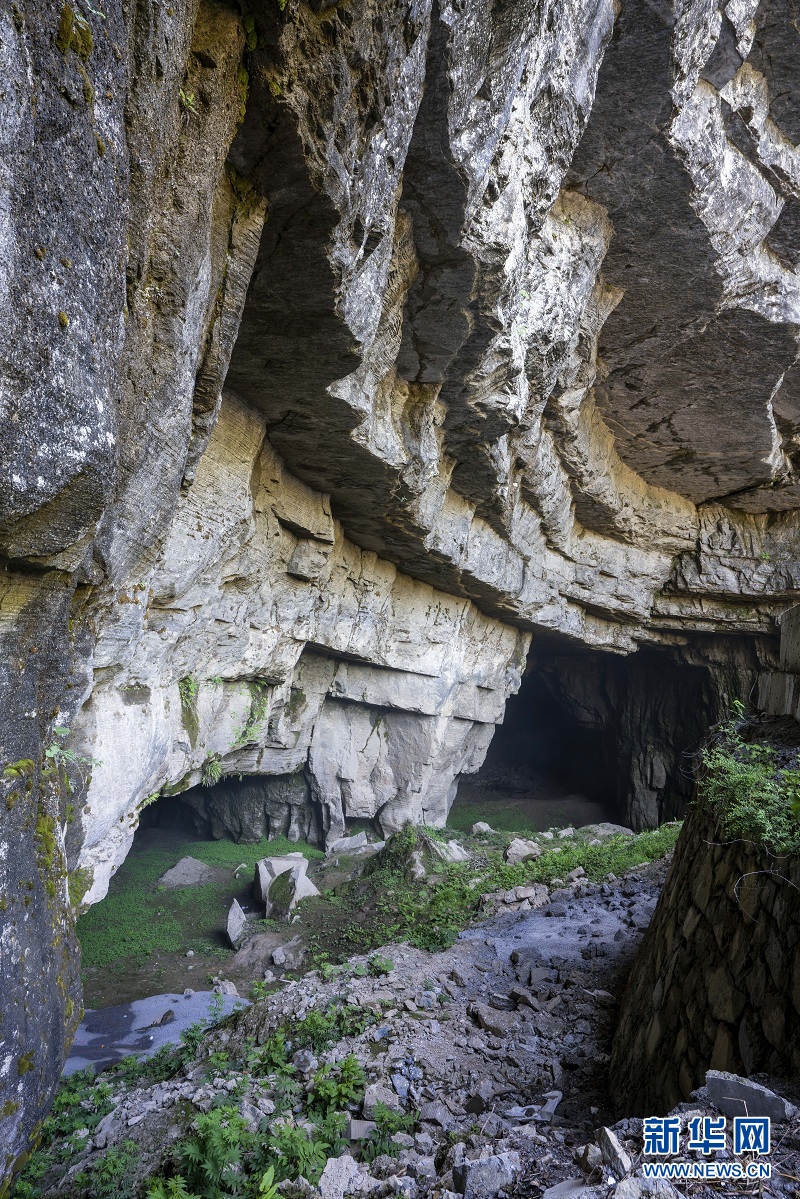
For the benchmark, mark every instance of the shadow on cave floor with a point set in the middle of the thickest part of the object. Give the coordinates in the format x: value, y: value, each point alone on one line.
x: 544, y: 769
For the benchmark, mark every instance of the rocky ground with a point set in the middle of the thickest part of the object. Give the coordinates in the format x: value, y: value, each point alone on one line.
x: 492, y: 1056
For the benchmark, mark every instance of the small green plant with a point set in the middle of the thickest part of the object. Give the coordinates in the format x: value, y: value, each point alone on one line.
x: 752, y: 797
x: 267, y: 1187
x: 212, y: 770
x: 170, y: 1188
x: 259, y: 990
x: 379, y: 965
x: 388, y: 1123
x: 336, y: 1087
x: 187, y: 101
x: 298, y: 1152
x: 111, y: 1175
x: 211, y: 1159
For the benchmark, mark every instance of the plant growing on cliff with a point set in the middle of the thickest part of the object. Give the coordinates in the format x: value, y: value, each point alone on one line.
x: 212, y: 770
x: 752, y: 796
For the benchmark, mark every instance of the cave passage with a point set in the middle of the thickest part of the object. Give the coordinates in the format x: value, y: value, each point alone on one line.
x: 592, y: 736
x: 545, y: 768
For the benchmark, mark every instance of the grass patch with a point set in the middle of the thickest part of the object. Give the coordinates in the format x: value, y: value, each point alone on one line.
x: 387, y: 904
x: 508, y: 817
x: 137, y: 918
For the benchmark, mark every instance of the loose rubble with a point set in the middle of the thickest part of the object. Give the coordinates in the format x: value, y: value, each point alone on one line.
x: 497, y: 1048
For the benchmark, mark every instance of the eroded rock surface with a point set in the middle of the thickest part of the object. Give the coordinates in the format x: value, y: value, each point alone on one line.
x: 346, y: 348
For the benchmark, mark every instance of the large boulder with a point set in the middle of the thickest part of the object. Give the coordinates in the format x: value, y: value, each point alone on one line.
x: 268, y: 869
x: 287, y: 890
x: 188, y: 872
x: 521, y: 850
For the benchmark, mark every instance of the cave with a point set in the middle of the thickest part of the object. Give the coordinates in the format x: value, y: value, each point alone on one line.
x: 593, y: 736
x: 242, y: 808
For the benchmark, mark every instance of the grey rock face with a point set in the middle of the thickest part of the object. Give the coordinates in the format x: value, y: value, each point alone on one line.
x: 514, y: 351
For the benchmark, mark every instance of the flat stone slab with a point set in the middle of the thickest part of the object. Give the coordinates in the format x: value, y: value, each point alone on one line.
x: 142, y: 1027
x: 234, y: 926
x: 735, y: 1096
x: 607, y: 829
x: 190, y: 872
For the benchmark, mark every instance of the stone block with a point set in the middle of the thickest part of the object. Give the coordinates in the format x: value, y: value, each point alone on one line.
x: 735, y: 1096
x: 485, y: 1177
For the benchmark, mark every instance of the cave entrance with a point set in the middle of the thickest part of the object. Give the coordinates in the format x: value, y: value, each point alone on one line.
x: 593, y: 736
x: 160, y: 932
x: 544, y: 768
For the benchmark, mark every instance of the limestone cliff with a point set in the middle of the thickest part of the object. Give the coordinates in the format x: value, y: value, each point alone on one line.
x: 348, y: 346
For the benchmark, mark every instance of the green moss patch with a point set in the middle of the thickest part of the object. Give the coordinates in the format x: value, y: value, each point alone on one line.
x: 752, y: 786
x: 138, y: 919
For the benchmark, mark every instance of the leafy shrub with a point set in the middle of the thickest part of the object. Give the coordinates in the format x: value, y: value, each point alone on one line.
x: 212, y: 1158
x: 336, y: 1087
x: 751, y: 796
x: 388, y: 1123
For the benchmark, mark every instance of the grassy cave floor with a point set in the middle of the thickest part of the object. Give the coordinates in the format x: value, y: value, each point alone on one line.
x: 135, y: 942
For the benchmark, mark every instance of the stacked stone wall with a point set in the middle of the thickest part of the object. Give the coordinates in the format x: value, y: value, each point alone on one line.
x: 716, y: 982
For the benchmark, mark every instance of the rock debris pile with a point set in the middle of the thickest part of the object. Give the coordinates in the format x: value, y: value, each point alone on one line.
x: 495, y: 1051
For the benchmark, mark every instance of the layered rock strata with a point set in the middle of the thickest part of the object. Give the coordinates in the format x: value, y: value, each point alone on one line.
x: 347, y: 346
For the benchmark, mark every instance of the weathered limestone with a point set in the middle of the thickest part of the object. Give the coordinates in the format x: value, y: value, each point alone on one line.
x: 512, y: 354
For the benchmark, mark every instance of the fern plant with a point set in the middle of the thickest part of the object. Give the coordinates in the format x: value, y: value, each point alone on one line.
x: 212, y: 1159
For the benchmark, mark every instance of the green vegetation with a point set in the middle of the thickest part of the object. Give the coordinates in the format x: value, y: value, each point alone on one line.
x: 753, y: 797
x: 138, y: 919
x: 388, y: 904
x: 212, y: 770
x: 80, y: 1103
x: 388, y: 1123
x: 187, y: 690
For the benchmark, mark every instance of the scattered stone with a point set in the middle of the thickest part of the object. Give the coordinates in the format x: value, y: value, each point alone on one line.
x: 613, y: 1153
x: 481, y: 1097
x: 290, y: 955
x: 377, y: 1093
x: 481, y: 829
x: 436, y: 1112
x: 735, y: 1096
x: 235, y: 923
x: 635, y: 1188
x: 568, y: 1188
x: 450, y: 851
x: 360, y: 1130
x: 347, y: 844
x: 337, y: 1177
x: 188, y: 872
x: 566, y: 832
x: 521, y: 850
x: 589, y: 1158
x: 487, y: 1176
x: 498, y: 1023
x: 225, y: 987
x: 304, y: 1061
